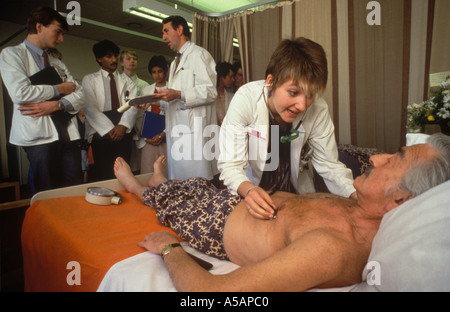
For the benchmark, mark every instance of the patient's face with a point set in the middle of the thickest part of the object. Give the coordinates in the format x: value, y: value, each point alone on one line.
x: 387, y: 170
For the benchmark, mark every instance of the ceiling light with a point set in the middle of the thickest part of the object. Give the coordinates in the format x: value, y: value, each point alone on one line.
x: 220, y: 8
x: 154, y: 10
x: 112, y: 27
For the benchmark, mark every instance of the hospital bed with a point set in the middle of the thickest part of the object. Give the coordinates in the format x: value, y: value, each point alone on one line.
x: 71, y: 245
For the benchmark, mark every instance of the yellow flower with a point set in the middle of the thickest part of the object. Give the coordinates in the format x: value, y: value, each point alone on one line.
x: 431, y: 118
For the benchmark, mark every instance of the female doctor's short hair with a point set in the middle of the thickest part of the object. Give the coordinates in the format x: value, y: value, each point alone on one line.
x: 302, y: 60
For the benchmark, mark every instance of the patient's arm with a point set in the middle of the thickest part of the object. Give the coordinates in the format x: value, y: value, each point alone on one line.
x: 316, y: 259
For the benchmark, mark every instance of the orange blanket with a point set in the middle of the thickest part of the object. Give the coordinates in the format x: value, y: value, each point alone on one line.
x: 58, y: 231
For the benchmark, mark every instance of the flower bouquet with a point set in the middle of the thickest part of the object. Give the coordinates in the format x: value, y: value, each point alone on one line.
x: 434, y: 110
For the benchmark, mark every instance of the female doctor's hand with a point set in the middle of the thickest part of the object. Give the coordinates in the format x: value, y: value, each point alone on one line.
x: 259, y: 203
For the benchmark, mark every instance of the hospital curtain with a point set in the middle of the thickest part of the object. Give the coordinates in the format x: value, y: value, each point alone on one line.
x: 312, y: 19
x: 258, y: 32
x: 215, y: 35
x: 375, y: 71
x: 390, y: 63
x: 261, y: 31
x: 440, y: 50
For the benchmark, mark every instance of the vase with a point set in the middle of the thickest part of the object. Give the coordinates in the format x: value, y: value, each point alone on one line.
x: 445, y: 129
x: 431, y: 128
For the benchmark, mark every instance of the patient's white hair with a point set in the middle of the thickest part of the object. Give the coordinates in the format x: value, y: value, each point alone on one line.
x: 423, y: 175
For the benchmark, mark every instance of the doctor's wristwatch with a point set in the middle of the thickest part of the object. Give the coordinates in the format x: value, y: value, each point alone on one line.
x: 61, y: 106
x: 168, y: 248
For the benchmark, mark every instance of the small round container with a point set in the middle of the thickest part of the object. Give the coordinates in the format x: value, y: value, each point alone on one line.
x: 102, y: 196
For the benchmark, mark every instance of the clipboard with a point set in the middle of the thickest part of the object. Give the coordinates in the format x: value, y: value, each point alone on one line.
x: 47, y: 76
x: 137, y: 101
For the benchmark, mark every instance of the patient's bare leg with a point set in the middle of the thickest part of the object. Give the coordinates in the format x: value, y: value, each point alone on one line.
x: 159, y: 169
x: 125, y: 176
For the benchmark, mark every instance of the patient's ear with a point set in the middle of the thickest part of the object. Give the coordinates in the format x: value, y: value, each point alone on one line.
x: 399, y: 198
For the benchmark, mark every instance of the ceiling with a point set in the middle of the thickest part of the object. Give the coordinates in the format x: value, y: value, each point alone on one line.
x: 99, y: 16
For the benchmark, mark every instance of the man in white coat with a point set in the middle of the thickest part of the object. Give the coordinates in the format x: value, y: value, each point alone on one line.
x: 105, y: 91
x: 189, y: 103
x: 44, y: 108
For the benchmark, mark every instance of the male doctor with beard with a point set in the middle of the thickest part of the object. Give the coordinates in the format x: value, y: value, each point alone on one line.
x: 189, y: 103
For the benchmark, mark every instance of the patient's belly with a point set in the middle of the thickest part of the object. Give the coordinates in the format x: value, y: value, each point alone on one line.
x: 248, y: 240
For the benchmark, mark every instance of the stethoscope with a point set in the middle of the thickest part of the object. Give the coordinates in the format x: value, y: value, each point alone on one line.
x: 294, y: 133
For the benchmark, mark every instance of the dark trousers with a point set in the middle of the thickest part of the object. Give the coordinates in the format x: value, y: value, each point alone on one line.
x: 56, y: 164
x: 105, y: 153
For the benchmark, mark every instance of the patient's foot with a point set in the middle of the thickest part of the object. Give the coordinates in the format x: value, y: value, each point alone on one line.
x: 159, y: 172
x: 123, y: 173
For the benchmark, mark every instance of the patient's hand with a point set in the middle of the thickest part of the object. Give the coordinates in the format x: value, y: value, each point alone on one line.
x: 155, y: 242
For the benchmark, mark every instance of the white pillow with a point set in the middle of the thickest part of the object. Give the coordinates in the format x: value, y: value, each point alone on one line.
x: 412, y: 246
x: 416, y: 138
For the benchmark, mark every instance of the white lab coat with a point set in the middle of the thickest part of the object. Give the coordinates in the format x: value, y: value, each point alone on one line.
x: 186, y: 121
x: 244, y: 142
x: 16, y: 65
x: 94, y: 95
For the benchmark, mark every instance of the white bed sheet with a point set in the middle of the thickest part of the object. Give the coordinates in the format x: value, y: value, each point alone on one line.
x: 146, y: 272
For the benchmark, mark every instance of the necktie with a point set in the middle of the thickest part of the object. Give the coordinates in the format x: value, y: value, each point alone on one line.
x: 45, y: 56
x: 177, y: 60
x: 115, y: 104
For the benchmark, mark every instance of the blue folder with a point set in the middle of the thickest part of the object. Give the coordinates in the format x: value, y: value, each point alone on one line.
x: 153, y: 125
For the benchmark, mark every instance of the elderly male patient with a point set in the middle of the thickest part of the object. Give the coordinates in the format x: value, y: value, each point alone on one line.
x: 313, y: 241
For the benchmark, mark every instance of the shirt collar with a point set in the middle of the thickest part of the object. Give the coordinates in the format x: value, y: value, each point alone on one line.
x: 133, y: 78
x: 184, y: 47
x: 106, y: 73
x: 34, y: 48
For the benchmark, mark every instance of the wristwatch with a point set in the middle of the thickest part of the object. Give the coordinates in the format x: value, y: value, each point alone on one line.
x: 61, y: 106
x: 168, y: 248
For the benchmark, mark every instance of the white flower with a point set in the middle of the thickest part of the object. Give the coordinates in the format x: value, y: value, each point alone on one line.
x: 443, y: 113
x: 446, y: 100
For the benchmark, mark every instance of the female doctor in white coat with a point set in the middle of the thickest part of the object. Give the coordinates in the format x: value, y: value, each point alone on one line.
x: 273, y: 127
